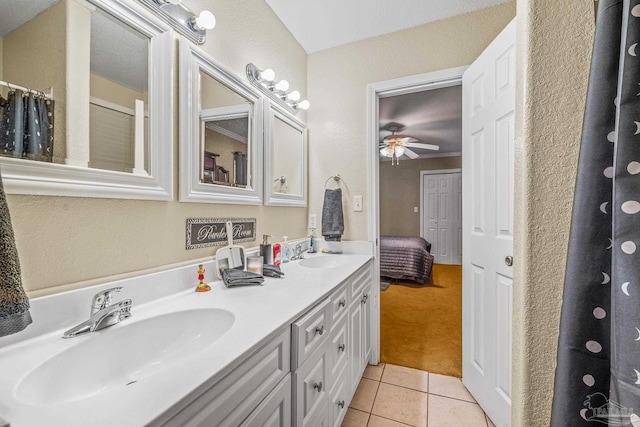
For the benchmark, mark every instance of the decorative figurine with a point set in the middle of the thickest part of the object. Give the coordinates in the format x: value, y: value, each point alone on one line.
x: 202, y: 287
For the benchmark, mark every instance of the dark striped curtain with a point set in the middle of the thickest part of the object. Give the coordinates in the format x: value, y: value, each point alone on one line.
x: 597, y: 379
x: 26, y: 126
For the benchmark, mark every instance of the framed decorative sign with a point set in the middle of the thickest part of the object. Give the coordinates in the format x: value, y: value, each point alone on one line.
x: 202, y: 233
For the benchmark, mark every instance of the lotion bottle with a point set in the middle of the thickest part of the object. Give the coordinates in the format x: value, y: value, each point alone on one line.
x: 286, y: 254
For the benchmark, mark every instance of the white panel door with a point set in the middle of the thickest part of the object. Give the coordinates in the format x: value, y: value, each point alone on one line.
x: 442, y: 222
x: 488, y: 105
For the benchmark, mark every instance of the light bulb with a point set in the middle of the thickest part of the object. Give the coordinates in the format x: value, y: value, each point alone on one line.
x: 267, y: 75
x: 282, y: 86
x: 399, y: 150
x: 204, y: 21
x: 294, y: 96
x: 304, y: 105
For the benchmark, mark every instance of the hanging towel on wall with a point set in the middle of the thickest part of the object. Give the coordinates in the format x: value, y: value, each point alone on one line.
x: 14, y: 304
x: 332, y: 218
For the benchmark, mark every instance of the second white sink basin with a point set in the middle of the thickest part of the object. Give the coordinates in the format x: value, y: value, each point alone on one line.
x: 328, y: 261
x: 122, y: 355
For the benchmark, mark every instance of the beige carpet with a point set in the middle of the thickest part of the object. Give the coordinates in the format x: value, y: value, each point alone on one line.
x: 421, y: 325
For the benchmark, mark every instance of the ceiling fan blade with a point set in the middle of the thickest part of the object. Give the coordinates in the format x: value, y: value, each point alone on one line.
x: 422, y: 145
x: 404, y: 140
x: 410, y: 153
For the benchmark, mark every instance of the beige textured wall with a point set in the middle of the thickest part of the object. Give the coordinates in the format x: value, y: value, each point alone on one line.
x: 30, y: 62
x: 80, y: 241
x: 338, y: 79
x: 400, y: 193
x: 116, y: 93
x: 554, y: 50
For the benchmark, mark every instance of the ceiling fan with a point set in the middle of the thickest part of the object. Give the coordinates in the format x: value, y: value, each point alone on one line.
x: 395, y: 146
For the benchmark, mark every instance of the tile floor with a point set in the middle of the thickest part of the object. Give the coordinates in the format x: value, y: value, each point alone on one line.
x: 395, y: 396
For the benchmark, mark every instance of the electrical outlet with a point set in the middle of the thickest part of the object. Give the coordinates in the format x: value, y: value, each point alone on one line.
x: 357, y: 203
x: 313, y: 221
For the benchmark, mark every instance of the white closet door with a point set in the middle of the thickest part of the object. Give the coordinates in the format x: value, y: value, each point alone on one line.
x: 442, y: 223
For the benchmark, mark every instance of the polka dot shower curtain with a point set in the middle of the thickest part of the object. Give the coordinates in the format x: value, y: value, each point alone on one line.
x: 26, y: 126
x: 597, y: 378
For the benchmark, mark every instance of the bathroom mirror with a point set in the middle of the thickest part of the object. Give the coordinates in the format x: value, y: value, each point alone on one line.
x: 220, y: 138
x: 110, y: 117
x: 285, y: 158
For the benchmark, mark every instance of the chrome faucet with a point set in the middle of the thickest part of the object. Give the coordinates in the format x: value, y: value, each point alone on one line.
x: 103, y: 314
x: 297, y: 253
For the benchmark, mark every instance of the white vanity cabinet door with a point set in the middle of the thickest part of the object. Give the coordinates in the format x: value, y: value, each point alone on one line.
x: 275, y: 409
x: 339, y: 398
x: 311, y: 388
x: 339, y: 301
x: 339, y: 347
x: 355, y: 343
x: 229, y: 401
x: 310, y: 332
x: 367, y: 301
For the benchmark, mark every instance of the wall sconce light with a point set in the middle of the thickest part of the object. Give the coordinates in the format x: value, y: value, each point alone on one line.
x: 279, y: 92
x: 182, y: 19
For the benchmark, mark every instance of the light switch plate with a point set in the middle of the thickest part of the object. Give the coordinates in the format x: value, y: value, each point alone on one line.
x: 313, y: 221
x: 415, y: 209
x: 357, y: 203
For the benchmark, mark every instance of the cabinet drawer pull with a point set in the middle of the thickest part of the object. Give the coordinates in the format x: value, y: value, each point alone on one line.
x: 341, y: 347
x: 365, y: 298
x: 341, y: 404
x: 320, y: 330
x: 342, y: 303
x: 318, y: 386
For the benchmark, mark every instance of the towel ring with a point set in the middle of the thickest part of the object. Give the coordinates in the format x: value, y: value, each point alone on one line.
x: 337, y: 178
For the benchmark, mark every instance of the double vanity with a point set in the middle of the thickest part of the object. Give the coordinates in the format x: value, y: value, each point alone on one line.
x: 290, y: 352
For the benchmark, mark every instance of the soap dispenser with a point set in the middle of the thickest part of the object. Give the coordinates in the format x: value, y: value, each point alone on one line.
x: 265, y: 250
x: 286, y: 251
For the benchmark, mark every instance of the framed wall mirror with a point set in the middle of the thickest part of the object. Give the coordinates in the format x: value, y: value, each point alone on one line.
x: 97, y: 119
x: 220, y: 133
x: 285, y: 158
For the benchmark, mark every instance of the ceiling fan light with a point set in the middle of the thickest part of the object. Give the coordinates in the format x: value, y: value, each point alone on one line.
x: 386, y: 151
x: 399, y: 150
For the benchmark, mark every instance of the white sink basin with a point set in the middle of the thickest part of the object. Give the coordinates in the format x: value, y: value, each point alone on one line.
x: 330, y: 261
x: 122, y: 355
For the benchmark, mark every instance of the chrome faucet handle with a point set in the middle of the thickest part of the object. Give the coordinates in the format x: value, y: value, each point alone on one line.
x: 298, y: 249
x: 103, y: 299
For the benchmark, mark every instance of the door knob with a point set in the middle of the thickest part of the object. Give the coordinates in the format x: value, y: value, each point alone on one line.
x: 508, y: 260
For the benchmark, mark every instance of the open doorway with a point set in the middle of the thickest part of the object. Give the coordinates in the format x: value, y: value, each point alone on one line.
x: 418, y: 216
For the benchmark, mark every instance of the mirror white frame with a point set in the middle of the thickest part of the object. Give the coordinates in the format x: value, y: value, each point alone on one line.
x: 22, y: 176
x: 275, y: 112
x: 192, y: 61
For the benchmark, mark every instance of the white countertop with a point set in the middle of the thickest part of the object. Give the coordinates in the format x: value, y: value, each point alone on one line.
x: 260, y: 312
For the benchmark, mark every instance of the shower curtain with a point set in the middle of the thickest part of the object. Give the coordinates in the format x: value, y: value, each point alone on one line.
x: 597, y: 377
x: 26, y: 126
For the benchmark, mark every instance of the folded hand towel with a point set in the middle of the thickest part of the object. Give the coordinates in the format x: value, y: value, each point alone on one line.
x: 233, y: 277
x: 14, y: 304
x: 332, y: 218
x: 272, y: 270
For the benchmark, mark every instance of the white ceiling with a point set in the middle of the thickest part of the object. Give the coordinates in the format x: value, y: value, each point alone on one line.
x: 431, y: 116
x: 319, y: 25
x: 15, y: 13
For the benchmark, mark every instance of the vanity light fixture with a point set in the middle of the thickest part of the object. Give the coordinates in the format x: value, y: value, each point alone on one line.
x: 193, y: 27
x: 277, y: 91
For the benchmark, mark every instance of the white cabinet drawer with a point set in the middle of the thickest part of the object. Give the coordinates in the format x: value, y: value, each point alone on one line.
x: 359, y: 280
x: 338, y: 347
x: 311, y: 382
x: 339, y: 302
x: 234, y: 397
x: 310, y: 331
x: 275, y: 409
x: 339, y: 399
